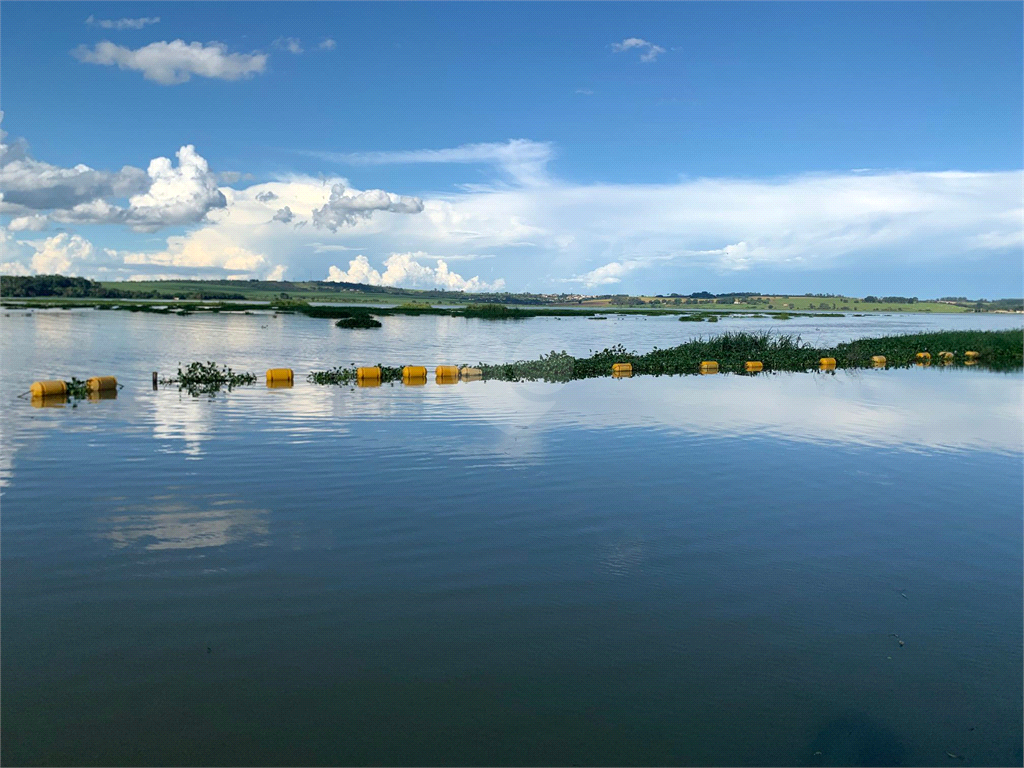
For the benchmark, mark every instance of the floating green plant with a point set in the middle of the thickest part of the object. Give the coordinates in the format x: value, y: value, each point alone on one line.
x: 208, y: 378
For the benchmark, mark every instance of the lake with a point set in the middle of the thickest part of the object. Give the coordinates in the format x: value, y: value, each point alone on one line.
x: 791, y: 569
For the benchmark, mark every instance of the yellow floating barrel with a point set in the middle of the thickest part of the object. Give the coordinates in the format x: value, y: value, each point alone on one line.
x: 447, y: 371
x: 414, y: 372
x: 471, y: 373
x: 622, y: 368
x: 753, y: 366
x: 924, y: 355
x: 280, y: 377
x: 827, y: 362
x: 972, y: 355
x: 368, y: 374
x: 100, y: 383
x: 48, y: 388
x: 878, y: 361
x: 709, y: 366
x: 49, y: 401
x: 946, y: 355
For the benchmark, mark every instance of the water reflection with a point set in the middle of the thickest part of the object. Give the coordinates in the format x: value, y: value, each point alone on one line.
x: 170, y: 525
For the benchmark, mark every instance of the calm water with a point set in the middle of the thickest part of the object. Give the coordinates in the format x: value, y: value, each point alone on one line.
x: 676, y: 570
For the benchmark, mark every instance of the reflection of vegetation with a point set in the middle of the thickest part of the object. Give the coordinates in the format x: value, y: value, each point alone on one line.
x: 208, y: 378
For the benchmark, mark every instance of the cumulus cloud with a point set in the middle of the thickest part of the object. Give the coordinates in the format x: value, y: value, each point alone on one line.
x: 328, y: 44
x: 404, y: 269
x: 284, y: 215
x: 175, y: 62
x: 609, y: 273
x: 650, y: 50
x: 342, y: 208
x: 59, y: 254
x: 290, y: 44
x: 160, y: 196
x: 123, y: 23
x: 526, y: 161
x: 31, y: 184
x: 34, y: 223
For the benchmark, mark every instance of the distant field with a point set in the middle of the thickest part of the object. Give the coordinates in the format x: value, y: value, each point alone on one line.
x: 260, y: 291
x: 800, y: 303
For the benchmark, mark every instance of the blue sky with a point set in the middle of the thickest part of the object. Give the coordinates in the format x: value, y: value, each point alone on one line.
x: 550, y: 147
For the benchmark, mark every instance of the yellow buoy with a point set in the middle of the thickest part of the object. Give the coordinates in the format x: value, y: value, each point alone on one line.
x: 49, y: 401
x: 280, y: 377
x: 447, y: 371
x: 924, y: 355
x: 622, y: 374
x: 709, y: 366
x: 972, y: 355
x: 827, y: 362
x: 100, y: 383
x: 622, y: 368
x: 878, y: 361
x: 753, y: 366
x: 946, y: 355
x: 368, y: 374
x: 471, y: 373
x: 48, y: 388
x: 414, y: 372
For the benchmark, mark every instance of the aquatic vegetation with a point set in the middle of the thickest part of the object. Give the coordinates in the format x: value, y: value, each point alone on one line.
x: 77, y: 389
x: 208, y: 378
x: 777, y: 352
x: 358, y: 321
x: 348, y: 375
x: 494, y: 312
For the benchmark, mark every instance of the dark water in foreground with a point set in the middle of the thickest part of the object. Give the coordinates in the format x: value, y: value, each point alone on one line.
x: 691, y: 570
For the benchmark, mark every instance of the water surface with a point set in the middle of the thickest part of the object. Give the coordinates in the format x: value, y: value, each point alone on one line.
x: 675, y: 570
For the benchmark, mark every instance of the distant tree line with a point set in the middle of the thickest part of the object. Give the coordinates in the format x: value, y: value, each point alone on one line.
x: 83, y: 288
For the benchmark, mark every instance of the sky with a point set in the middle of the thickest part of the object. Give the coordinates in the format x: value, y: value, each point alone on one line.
x: 862, y: 148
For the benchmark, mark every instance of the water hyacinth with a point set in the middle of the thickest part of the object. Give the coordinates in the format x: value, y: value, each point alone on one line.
x: 208, y: 378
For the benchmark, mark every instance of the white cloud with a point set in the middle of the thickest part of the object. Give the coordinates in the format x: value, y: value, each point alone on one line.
x: 176, y: 195
x: 34, y: 223
x: 162, y: 196
x: 526, y: 161
x: 650, y: 50
x: 342, y: 209
x: 405, y: 270
x: 328, y: 44
x: 290, y: 44
x: 276, y: 274
x: 175, y: 62
x: 266, y: 197
x: 123, y: 23
x: 29, y: 184
x: 59, y: 254
x: 609, y: 273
